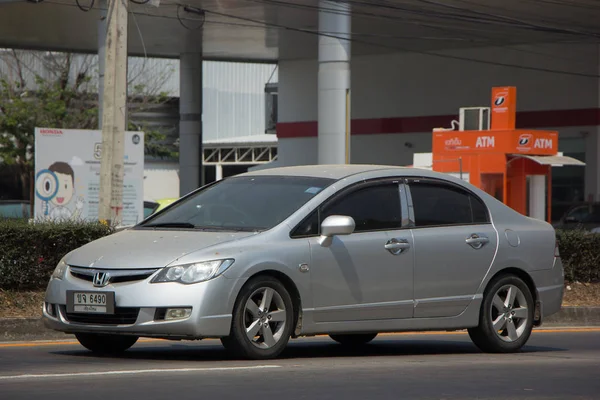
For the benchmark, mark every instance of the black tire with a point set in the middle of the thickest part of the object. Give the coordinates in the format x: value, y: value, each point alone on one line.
x: 238, y: 342
x: 106, y: 344
x: 357, y: 339
x: 485, y: 336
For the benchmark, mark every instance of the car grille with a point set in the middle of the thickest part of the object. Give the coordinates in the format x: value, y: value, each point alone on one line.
x: 122, y: 316
x: 116, y: 275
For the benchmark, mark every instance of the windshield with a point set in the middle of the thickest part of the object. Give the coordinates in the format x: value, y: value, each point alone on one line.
x: 248, y: 203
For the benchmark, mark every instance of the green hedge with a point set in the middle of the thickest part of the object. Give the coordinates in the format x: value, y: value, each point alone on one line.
x: 30, y: 252
x: 580, y: 254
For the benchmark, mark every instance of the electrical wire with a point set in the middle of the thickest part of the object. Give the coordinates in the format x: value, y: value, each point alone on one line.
x: 480, y: 39
x: 179, y: 7
x: 355, y: 12
x: 258, y: 23
x: 512, y: 20
x: 143, y: 47
x: 83, y: 8
x: 403, y: 49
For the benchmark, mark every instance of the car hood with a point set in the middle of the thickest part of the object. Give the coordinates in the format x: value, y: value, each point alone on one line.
x: 140, y: 248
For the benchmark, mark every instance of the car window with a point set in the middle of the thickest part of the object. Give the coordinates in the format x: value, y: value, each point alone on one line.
x: 578, y: 214
x: 373, y: 208
x: 585, y: 214
x: 594, y: 216
x: 438, y: 204
x: 241, y: 203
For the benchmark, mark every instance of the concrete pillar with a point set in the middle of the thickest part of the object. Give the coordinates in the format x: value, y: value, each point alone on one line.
x: 190, y: 122
x: 218, y: 172
x: 102, y: 29
x: 334, y: 83
x: 537, y: 196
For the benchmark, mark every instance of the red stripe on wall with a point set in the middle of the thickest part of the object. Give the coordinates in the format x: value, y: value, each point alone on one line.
x: 525, y: 120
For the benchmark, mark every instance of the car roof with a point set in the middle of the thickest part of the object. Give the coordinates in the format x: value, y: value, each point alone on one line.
x: 331, y: 171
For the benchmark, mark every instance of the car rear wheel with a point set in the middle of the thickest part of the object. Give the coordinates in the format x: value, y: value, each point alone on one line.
x: 354, y: 339
x: 106, y: 344
x: 506, y: 317
x: 262, y: 320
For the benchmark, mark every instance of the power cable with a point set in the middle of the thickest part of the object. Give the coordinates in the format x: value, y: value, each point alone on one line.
x: 83, y: 8
x: 467, y: 31
x: 512, y: 20
x: 428, y: 53
x: 193, y: 10
x: 258, y: 23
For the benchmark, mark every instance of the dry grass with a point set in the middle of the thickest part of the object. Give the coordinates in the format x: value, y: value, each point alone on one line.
x: 20, y: 304
x: 29, y: 304
x: 582, y: 294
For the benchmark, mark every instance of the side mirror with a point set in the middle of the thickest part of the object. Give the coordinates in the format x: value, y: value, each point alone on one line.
x: 335, y: 225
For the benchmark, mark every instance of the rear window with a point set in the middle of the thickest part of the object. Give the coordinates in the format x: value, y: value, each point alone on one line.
x: 438, y: 204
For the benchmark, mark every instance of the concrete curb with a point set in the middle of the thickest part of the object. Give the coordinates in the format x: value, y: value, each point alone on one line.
x: 25, y: 329
x: 574, y: 316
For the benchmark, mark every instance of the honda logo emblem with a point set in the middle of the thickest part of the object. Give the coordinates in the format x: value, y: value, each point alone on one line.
x: 101, y: 279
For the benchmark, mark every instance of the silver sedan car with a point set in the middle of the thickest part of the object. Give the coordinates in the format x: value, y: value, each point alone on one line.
x: 343, y: 250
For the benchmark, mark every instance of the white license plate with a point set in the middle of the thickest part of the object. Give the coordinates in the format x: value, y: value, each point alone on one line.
x: 90, y: 302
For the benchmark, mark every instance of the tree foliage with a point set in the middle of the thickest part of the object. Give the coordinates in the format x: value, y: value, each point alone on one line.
x: 58, y: 90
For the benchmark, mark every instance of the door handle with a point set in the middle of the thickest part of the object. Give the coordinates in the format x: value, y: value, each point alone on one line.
x: 476, y: 241
x: 396, y: 246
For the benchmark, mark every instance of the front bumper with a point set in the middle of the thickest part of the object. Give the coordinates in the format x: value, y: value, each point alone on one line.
x: 211, y: 306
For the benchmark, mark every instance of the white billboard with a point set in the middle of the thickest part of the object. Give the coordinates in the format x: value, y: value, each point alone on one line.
x: 67, y: 175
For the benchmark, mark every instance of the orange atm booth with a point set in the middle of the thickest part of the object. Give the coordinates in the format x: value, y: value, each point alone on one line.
x: 513, y: 165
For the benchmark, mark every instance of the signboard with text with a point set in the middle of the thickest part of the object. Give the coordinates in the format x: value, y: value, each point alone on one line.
x: 67, y: 175
x: 507, y: 142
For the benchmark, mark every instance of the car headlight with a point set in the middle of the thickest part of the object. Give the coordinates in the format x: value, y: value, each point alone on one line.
x: 59, y: 271
x: 194, y: 272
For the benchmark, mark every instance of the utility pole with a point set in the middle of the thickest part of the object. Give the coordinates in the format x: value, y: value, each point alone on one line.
x: 102, y: 28
x: 114, y: 106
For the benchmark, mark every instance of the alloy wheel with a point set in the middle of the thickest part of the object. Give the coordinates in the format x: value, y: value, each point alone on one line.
x: 509, y: 313
x: 264, y: 317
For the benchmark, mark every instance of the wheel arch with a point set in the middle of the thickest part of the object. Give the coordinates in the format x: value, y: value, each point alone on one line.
x: 518, y: 272
x: 525, y: 277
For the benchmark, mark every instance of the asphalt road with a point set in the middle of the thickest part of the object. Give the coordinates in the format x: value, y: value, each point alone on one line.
x: 554, y: 365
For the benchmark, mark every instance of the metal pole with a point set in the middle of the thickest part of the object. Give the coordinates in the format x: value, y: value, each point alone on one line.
x: 460, y: 166
x: 114, y: 117
x: 190, y: 122
x: 334, y: 83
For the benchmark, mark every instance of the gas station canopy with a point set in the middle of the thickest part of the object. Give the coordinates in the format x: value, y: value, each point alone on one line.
x: 271, y: 30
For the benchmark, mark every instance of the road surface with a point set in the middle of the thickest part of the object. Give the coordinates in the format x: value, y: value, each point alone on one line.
x: 555, y: 364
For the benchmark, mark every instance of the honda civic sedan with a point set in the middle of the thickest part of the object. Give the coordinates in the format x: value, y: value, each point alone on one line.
x: 348, y: 251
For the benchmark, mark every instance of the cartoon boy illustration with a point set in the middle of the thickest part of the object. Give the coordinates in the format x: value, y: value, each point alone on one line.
x: 65, y: 193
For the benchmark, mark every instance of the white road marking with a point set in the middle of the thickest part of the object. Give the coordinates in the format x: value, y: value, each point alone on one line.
x: 134, y: 372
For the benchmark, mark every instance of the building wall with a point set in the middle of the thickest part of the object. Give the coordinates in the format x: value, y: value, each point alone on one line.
x: 233, y: 95
x: 161, y: 180
x: 397, y: 99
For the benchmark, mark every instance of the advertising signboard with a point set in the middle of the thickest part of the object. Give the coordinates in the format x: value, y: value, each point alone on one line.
x: 67, y: 175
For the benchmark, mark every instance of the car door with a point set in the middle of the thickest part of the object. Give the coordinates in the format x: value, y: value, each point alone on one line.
x: 454, y: 246
x: 357, y: 277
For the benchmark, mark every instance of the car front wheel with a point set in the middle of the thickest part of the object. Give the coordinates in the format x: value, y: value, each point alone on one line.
x: 506, y: 317
x: 262, y: 320
x: 106, y: 344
